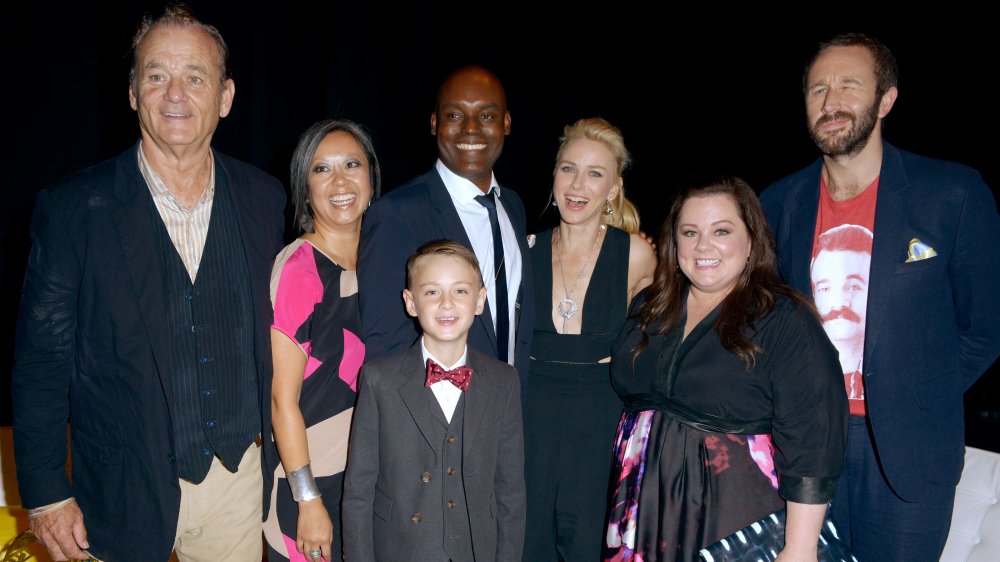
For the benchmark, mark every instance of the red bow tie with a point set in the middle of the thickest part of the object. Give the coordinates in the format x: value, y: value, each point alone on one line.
x: 459, y: 376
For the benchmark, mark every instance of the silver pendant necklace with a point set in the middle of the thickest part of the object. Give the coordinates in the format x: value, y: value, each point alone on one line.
x: 567, y: 307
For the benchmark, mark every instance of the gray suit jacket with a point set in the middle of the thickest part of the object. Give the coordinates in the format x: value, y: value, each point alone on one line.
x: 391, y: 513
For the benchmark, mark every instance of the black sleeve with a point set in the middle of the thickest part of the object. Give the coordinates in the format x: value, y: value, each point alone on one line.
x: 386, y: 243
x: 810, y: 414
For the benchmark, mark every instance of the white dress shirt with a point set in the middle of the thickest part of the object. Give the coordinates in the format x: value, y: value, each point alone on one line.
x: 446, y: 392
x: 476, y: 220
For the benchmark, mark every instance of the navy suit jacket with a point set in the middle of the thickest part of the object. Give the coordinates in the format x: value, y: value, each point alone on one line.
x: 392, y: 230
x: 933, y: 325
x: 93, y: 350
x: 393, y: 506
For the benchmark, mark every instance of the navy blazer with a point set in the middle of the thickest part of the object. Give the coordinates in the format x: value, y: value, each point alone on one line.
x: 93, y: 350
x: 394, y: 513
x: 933, y: 325
x: 392, y: 230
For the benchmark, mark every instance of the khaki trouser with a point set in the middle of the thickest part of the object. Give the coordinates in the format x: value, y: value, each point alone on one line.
x: 219, y: 519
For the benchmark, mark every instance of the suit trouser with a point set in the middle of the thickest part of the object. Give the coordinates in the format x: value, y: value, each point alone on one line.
x: 220, y: 518
x: 876, y: 523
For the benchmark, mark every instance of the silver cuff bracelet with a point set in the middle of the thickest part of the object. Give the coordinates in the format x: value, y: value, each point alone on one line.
x: 303, y: 484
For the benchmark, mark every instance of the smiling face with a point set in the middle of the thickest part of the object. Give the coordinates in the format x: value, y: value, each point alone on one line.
x: 470, y: 123
x: 445, y: 295
x: 339, y: 183
x: 178, y: 91
x: 584, y: 181
x: 713, y: 244
x: 842, y: 105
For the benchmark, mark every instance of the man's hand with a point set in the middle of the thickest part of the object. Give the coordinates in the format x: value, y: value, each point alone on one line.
x: 62, y: 532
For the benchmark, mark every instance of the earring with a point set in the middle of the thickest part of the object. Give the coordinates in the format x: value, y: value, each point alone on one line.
x: 554, y: 203
x: 609, y: 210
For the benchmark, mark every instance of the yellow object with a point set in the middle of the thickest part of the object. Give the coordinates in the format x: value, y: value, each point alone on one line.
x: 919, y: 251
x: 13, y: 520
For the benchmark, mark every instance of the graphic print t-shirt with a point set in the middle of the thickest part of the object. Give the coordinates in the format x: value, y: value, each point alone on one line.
x: 842, y: 249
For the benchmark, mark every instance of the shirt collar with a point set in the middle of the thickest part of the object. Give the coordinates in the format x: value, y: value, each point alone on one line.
x: 461, y: 189
x: 427, y: 355
x: 158, y: 189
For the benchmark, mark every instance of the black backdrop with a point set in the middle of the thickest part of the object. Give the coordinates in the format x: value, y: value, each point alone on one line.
x: 706, y: 93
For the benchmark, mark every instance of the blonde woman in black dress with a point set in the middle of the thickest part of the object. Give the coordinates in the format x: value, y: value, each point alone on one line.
x: 587, y: 270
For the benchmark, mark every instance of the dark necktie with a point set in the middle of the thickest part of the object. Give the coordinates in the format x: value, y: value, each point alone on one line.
x: 499, y: 277
x: 459, y: 376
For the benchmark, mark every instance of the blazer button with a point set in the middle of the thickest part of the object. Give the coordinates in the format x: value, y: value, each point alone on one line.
x: 451, y: 438
x: 425, y: 477
x: 451, y: 504
x: 451, y: 471
x: 416, y: 518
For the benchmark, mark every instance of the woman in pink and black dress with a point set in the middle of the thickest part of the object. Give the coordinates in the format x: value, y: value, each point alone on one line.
x: 316, y: 339
x: 734, y: 398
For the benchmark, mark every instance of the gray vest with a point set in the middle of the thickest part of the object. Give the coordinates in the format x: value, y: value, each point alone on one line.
x: 457, y: 530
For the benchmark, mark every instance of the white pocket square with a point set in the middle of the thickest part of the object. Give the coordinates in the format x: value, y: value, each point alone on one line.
x: 919, y: 251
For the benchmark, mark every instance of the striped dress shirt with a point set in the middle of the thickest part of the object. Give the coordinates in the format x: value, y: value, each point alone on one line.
x: 187, y: 228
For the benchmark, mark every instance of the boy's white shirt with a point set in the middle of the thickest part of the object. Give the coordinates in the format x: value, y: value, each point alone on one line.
x: 447, y: 394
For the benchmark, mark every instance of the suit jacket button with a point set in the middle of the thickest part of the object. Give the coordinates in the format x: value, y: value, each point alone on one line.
x: 425, y: 477
x: 451, y: 504
x: 416, y: 518
x: 451, y: 438
x: 451, y: 471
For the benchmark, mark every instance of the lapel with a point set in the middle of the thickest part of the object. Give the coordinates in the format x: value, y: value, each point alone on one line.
x: 135, y: 230
x: 450, y: 225
x: 517, y: 220
x: 413, y: 394
x: 890, y: 208
x: 802, y: 229
x: 482, y: 392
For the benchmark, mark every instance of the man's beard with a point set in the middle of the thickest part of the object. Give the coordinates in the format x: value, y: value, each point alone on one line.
x: 848, y: 143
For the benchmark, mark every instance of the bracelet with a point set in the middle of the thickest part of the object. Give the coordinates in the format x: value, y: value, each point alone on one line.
x: 303, y: 484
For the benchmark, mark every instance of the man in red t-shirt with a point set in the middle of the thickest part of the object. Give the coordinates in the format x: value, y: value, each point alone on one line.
x: 900, y: 255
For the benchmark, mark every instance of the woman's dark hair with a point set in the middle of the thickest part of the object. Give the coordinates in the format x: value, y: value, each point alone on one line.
x: 754, y: 293
x: 306, y: 150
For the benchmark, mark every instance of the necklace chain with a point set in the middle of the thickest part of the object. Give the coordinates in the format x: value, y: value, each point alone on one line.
x: 567, y: 307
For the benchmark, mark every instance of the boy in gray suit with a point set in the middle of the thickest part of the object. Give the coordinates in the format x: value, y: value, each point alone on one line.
x: 436, y: 463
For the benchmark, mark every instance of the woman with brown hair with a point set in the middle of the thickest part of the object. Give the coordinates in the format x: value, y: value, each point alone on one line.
x: 734, y: 401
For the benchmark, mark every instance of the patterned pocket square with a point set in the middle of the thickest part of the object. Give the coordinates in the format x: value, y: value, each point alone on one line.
x: 919, y: 251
